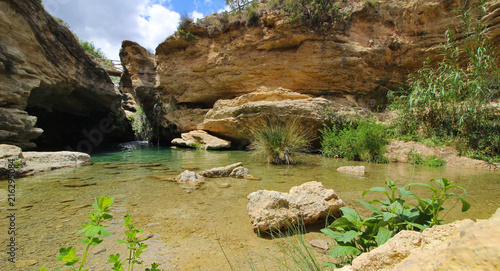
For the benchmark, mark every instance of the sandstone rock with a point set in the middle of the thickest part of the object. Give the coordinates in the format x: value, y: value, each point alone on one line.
x: 241, y: 172
x: 47, y: 80
x: 220, y: 172
x: 231, y: 118
x: 320, y: 243
x: 190, y: 180
x: 201, y: 140
x: 374, y: 50
x: 303, y: 205
x: 397, y: 152
x: 463, y: 245
x: 357, y: 170
x: 9, y: 151
x: 35, y: 162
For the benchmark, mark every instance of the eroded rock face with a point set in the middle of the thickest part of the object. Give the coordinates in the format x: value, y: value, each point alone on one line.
x: 200, y: 139
x: 303, y: 205
x: 463, y: 245
x: 374, y: 50
x: 231, y: 118
x: 45, y: 74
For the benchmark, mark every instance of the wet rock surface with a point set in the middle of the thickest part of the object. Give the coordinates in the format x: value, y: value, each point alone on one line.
x: 200, y: 139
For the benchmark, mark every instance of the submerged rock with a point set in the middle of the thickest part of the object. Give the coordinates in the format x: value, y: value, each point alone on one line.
x: 462, y: 245
x: 357, y: 170
x: 220, y: 172
x: 200, y: 139
x: 190, y: 180
x: 241, y: 172
x: 303, y: 205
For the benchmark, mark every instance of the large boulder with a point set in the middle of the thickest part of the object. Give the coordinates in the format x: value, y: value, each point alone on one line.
x: 48, y: 83
x: 462, y: 245
x: 34, y: 162
x: 231, y: 118
x: 199, y: 139
x: 303, y: 205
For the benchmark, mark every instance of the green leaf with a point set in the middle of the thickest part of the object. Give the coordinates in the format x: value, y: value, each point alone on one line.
x: 348, y: 236
x: 96, y: 241
x: 85, y: 240
x: 333, y: 234
x: 386, y: 216
x: 376, y: 189
x: 416, y: 225
x: 106, y: 216
x: 122, y: 241
x: 352, y: 216
x: 114, y: 258
x: 43, y: 268
x: 465, y: 204
x: 369, y: 206
x: 93, y: 230
x: 84, y: 229
x: 339, y: 251
x: 383, y: 236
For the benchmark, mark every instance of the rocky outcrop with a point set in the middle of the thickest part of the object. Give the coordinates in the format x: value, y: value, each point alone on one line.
x: 463, y: 245
x: 200, y: 139
x: 356, y: 170
x: 303, y: 205
x: 398, y: 152
x: 30, y: 163
x: 48, y: 83
x: 371, y: 51
x: 233, y: 118
x: 139, y: 75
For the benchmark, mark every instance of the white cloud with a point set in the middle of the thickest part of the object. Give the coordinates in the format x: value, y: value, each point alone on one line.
x: 160, y: 23
x: 226, y: 8
x: 196, y: 15
x: 107, y: 23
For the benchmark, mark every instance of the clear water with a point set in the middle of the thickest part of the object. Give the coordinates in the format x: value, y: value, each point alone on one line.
x: 192, y: 229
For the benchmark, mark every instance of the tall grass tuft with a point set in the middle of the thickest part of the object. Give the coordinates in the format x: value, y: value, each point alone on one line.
x: 280, y: 140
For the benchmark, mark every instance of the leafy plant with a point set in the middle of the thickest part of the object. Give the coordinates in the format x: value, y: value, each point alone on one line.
x: 419, y: 159
x: 94, y: 230
x: 313, y: 12
x: 433, y: 206
x: 238, y: 6
x: 452, y: 100
x: 134, y: 246
x: 355, y: 235
x: 358, y: 140
x: 279, y: 140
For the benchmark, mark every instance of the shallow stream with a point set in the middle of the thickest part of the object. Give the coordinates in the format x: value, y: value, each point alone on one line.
x: 191, y: 230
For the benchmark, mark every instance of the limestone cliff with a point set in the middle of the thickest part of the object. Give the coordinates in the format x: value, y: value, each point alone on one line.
x: 51, y: 90
x: 359, y: 60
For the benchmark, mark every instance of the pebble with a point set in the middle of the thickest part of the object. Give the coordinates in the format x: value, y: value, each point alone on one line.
x: 224, y: 185
x: 318, y: 243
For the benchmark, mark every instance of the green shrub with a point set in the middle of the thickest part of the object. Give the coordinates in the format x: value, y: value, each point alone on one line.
x: 90, y: 48
x: 403, y: 210
x: 238, y: 6
x: 451, y: 101
x: 313, y: 12
x: 184, y: 22
x: 141, y: 125
x: 419, y: 159
x: 359, y: 141
x: 279, y: 140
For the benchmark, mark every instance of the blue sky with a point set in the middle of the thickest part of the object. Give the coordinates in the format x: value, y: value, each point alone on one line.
x: 107, y: 22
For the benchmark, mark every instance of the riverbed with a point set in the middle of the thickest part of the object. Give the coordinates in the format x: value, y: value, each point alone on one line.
x: 191, y: 230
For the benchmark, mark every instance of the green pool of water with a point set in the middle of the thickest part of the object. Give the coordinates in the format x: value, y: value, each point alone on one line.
x: 190, y: 229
